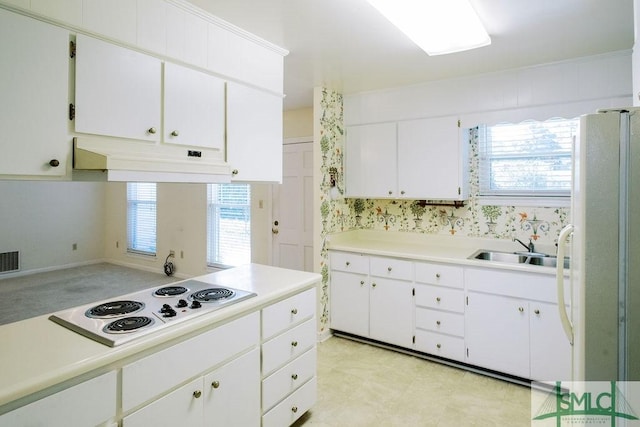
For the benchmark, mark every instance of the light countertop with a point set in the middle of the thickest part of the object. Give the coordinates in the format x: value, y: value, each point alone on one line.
x: 434, y: 248
x: 37, y: 353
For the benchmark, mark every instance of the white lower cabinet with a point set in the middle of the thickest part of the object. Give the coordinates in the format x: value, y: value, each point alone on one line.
x: 497, y: 333
x: 181, y: 407
x: 372, y: 297
x: 288, y: 359
x: 90, y: 403
x: 228, y: 396
x: 501, y: 320
x: 513, y: 329
x: 439, y: 315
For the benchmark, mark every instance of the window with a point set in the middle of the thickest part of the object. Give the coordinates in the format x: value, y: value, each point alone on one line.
x: 229, y: 224
x: 527, y: 160
x: 141, y: 218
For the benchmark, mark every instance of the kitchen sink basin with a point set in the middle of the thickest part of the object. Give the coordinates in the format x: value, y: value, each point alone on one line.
x: 519, y: 258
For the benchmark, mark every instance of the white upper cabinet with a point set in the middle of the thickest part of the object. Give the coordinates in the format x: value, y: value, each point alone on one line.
x: 114, y: 18
x: 194, y: 109
x: 254, y: 134
x: 35, y: 97
x: 431, y: 159
x: 186, y: 36
x: 417, y: 159
x: 371, y: 161
x: 117, y: 91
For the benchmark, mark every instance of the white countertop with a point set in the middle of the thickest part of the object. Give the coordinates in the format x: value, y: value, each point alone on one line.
x: 38, y: 353
x: 434, y: 248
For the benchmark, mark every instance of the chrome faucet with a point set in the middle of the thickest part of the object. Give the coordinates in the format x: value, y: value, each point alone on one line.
x: 529, y: 247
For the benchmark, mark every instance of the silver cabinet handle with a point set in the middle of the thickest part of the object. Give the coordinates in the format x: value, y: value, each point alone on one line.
x: 197, y: 394
x: 389, y: 269
x: 294, y: 409
x: 215, y: 384
x: 536, y: 311
x: 438, y: 322
x: 234, y: 172
x: 374, y: 285
x: 294, y: 311
x: 437, y: 275
x: 437, y: 299
x: 151, y: 130
x: 294, y: 343
x: 521, y: 309
x: 294, y: 376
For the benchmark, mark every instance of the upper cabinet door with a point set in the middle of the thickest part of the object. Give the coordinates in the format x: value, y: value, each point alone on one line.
x: 194, y: 110
x: 34, y: 76
x: 431, y: 159
x: 117, y: 91
x: 254, y: 134
x: 370, y: 161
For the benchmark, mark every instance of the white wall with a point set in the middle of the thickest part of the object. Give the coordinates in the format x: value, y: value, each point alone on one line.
x: 44, y: 219
x: 568, y: 88
x: 181, y: 227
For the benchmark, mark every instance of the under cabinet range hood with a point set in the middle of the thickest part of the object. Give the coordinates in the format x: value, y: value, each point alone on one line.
x: 121, y: 160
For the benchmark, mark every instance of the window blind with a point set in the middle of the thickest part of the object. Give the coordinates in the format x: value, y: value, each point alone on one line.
x: 141, y: 218
x: 229, y: 224
x: 528, y: 159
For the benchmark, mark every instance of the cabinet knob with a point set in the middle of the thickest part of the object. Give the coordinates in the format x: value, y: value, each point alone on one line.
x: 438, y: 322
x: 437, y: 299
x: 347, y: 263
x: 361, y: 282
x: 389, y: 269
x: 374, y: 285
x: 197, y: 394
x: 402, y: 192
x: 438, y: 345
x: 390, y: 192
x: 294, y: 409
x: 215, y: 384
x: 437, y: 275
x: 294, y: 343
x: 152, y: 131
x: 294, y: 376
x: 54, y: 163
x: 175, y: 133
x: 521, y: 309
x: 234, y: 172
x: 536, y: 311
x: 294, y: 311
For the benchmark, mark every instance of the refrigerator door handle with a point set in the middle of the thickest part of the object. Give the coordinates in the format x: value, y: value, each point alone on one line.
x: 564, y: 317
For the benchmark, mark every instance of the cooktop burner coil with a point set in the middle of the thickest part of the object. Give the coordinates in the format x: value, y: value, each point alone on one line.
x: 170, y: 291
x: 128, y: 324
x: 114, y: 309
x: 212, y: 295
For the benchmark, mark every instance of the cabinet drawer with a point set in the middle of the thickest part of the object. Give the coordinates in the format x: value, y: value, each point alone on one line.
x: 351, y: 262
x: 288, y: 378
x: 440, y: 297
x: 290, y: 409
x: 286, y: 347
x: 440, y: 345
x: 282, y: 315
x: 87, y: 404
x: 440, y: 321
x: 439, y: 274
x: 391, y: 268
x: 141, y: 380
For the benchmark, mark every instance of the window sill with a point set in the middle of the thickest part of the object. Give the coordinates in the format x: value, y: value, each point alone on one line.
x: 539, y: 202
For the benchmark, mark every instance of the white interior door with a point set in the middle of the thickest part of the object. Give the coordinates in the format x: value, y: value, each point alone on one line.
x: 292, y: 224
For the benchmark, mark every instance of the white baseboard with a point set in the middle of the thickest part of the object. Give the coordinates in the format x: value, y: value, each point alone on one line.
x: 48, y: 269
x: 324, y: 335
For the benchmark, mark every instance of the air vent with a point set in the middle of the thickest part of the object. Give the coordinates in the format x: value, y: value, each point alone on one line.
x: 9, y: 261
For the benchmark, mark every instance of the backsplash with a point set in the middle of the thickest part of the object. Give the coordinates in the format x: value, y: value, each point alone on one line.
x: 541, y: 224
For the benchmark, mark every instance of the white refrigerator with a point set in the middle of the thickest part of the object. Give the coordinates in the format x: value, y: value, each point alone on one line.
x: 603, y: 240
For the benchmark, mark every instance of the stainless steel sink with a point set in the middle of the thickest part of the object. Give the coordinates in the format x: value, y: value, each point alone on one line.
x: 519, y: 258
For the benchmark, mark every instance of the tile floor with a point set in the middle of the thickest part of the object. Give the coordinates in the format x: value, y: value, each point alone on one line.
x: 364, y: 385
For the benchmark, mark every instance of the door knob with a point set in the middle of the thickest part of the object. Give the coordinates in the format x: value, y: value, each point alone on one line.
x: 274, y: 229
